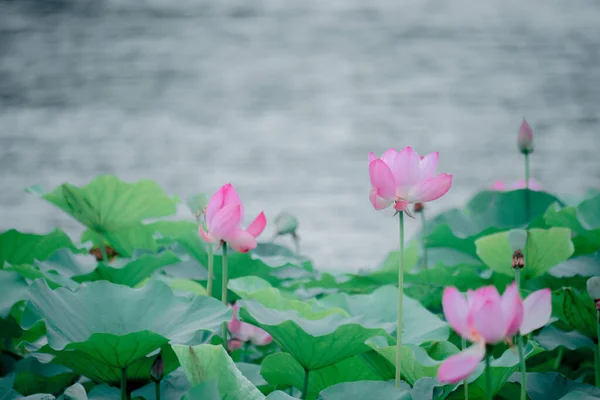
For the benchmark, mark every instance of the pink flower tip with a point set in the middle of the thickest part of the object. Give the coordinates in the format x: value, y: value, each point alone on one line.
x: 525, y: 138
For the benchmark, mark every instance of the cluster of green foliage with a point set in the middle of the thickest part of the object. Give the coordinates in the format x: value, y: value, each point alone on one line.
x: 80, y: 321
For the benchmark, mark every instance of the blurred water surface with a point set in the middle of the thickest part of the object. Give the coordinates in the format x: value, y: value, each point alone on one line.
x: 285, y: 100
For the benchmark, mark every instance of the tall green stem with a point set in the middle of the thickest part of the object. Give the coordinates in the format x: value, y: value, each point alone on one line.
x: 102, y: 248
x: 527, y: 171
x: 523, y: 364
x: 211, y: 270
x: 597, y: 356
x: 224, y: 292
x: 400, y: 295
x: 123, y: 384
x: 465, y: 384
x: 423, y: 234
x: 305, y: 386
x: 488, y: 375
x: 559, y: 356
x: 157, y: 390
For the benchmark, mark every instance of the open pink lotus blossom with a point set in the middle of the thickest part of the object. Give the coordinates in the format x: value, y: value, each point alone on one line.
x: 242, y: 332
x: 501, y: 186
x: 404, y: 177
x: 525, y: 138
x: 486, y: 317
x: 224, y: 216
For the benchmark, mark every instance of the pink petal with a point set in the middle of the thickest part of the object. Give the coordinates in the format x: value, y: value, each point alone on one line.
x: 215, y: 203
x: 402, y: 205
x: 488, y: 321
x: 389, y: 157
x: 235, y: 324
x: 234, y: 344
x: 230, y: 196
x: 372, y: 157
x: 428, y: 166
x: 456, y: 309
x: 459, y: 366
x: 241, y: 241
x: 257, y: 226
x: 537, y: 310
x: 432, y: 189
x: 406, y: 171
x: 498, y: 185
x: 512, y: 307
x: 260, y: 337
x: 377, y: 201
x: 225, y: 222
x: 382, y: 179
x: 205, y: 236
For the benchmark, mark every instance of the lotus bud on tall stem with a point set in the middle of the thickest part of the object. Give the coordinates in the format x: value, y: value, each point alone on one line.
x: 200, y: 217
x: 420, y: 208
x: 157, y: 371
x: 224, y: 292
x: 400, y: 297
x: 488, y: 374
x: 465, y: 383
x: 518, y: 263
x: 525, y: 145
x: 102, y: 248
x: 593, y: 289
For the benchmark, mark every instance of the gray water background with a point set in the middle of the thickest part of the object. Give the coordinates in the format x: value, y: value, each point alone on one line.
x: 286, y: 98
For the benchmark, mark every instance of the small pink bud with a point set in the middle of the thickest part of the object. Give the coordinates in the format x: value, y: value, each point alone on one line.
x: 419, y: 207
x: 525, y: 141
x: 157, y: 371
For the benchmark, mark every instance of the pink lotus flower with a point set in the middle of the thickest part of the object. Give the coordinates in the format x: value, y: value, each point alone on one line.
x: 485, y: 317
x: 404, y: 177
x: 243, y: 332
x: 224, y: 215
x: 525, y: 138
x: 500, y: 186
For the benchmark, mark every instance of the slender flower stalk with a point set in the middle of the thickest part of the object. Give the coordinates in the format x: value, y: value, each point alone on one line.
x: 465, y: 383
x: 420, y: 208
x: 124, y: 384
x: 102, y: 248
x: 211, y: 270
x: 224, y: 292
x: 518, y: 262
x: 157, y: 390
x: 525, y: 145
x: 488, y: 375
x: 400, y: 298
x: 593, y: 289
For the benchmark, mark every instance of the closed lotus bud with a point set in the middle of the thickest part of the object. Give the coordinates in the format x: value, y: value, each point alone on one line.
x: 518, y: 260
x: 593, y: 289
x: 286, y: 223
x: 419, y: 207
x: 525, y: 141
x: 157, y: 371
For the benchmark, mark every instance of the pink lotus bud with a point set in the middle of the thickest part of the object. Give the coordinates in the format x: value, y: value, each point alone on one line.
x: 419, y: 207
x: 593, y: 289
x: 157, y: 371
x: 525, y: 141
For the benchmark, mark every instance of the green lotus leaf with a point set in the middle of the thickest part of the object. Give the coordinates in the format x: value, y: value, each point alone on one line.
x: 197, y: 203
x: 74, y: 392
x: 102, y: 328
x: 67, y: 264
x: 8, y: 393
x: 576, y: 309
x: 125, y: 241
x: 366, y: 390
x: 14, y: 288
x: 486, y: 213
x: 417, y: 361
x: 54, y: 280
x: 172, y: 387
x: 107, y: 204
x: 282, y: 369
x: 127, y: 272
x: 208, y: 390
x: 501, y: 370
x: 578, y: 395
x: 279, y: 395
x: 543, y: 250
x: 419, y: 324
x: 34, y: 377
x: 181, y: 286
x: 252, y: 373
x: 212, y: 363
x: 553, y: 386
x: 551, y: 337
x: 25, y: 248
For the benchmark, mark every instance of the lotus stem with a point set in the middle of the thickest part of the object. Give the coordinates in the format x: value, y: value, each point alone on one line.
x: 400, y: 295
x: 423, y: 234
x: 296, y: 243
x: 305, y: 386
x: 102, y: 248
x: 224, y: 292
x: 597, y: 354
x: 488, y: 375
x: 157, y: 389
x: 523, y: 367
x: 211, y: 270
x: 123, y: 383
x: 465, y: 384
x: 527, y: 213
x: 559, y: 356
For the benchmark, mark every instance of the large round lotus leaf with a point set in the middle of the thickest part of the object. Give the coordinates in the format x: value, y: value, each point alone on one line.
x: 125, y: 241
x: 172, y: 387
x: 553, y: 386
x: 107, y: 204
x: 365, y: 390
x: 283, y: 370
x: 25, y: 248
x: 205, y: 363
x: 551, y: 337
x: 34, y: 377
x: 543, y: 250
x: 486, y: 213
x: 576, y: 309
x: 14, y: 289
x: 419, y: 324
x: 127, y: 272
x: 102, y: 327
